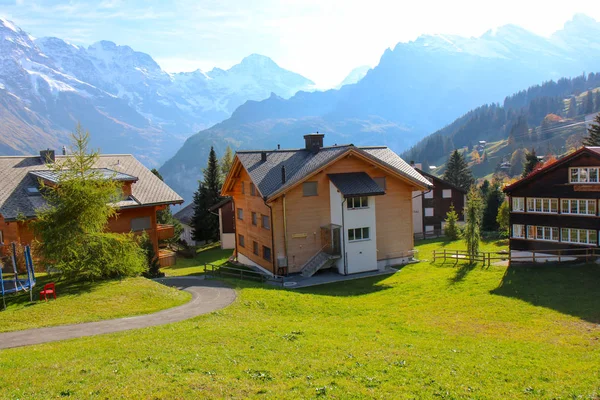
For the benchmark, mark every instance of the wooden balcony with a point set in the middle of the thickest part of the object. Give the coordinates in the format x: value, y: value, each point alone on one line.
x: 166, y: 258
x: 165, y: 232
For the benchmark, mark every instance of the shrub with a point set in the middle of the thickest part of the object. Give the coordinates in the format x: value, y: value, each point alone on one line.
x: 152, y: 264
x: 451, y: 230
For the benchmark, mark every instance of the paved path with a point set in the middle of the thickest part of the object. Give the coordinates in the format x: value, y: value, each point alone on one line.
x: 207, y: 296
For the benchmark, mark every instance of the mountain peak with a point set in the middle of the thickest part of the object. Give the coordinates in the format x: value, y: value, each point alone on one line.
x: 4, y: 23
x: 257, y: 60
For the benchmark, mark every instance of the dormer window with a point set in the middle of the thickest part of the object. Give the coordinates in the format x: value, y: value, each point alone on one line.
x: 583, y: 175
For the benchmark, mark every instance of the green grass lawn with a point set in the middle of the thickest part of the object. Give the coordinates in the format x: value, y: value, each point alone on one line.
x: 210, y: 254
x: 428, y: 331
x: 85, y: 302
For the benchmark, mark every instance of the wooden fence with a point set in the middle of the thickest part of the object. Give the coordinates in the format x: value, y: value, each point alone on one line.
x: 520, y: 257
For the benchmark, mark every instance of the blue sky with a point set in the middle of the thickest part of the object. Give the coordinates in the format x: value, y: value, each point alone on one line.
x: 323, y: 40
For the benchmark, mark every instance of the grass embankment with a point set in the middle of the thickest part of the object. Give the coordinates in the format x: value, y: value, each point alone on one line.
x: 428, y: 331
x: 85, y: 302
x: 209, y: 254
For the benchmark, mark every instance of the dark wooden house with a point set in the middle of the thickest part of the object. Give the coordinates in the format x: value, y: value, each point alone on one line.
x: 430, y: 207
x: 556, y: 207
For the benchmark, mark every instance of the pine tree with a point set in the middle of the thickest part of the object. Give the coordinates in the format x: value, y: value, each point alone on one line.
x: 589, y: 102
x: 458, y: 172
x: 572, y: 110
x: 485, y: 188
x: 226, y: 163
x: 597, y: 101
x: 451, y: 227
x: 531, y: 161
x: 205, y: 225
x: 472, y: 232
x: 593, y: 138
x: 493, y: 200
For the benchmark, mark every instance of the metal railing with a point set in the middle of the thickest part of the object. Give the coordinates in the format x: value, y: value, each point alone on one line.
x: 241, y: 273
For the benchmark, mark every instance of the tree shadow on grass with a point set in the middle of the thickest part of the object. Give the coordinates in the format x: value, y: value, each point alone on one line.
x: 572, y: 290
x: 462, y: 272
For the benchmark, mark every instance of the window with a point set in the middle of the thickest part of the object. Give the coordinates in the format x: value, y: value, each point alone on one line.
x: 540, y: 205
x: 429, y: 212
x: 447, y: 193
x: 518, y: 204
x: 266, y: 253
x: 255, y: 247
x: 578, y: 206
x: 429, y: 195
x: 542, y: 233
x: 240, y: 213
x: 252, y: 189
x: 309, y: 189
x: 380, y: 182
x: 429, y: 228
x: 241, y: 240
x: 266, y: 223
x: 243, y: 187
x: 518, y: 231
x: 254, y: 219
x: 140, y: 224
x: 358, y: 234
x: 357, y: 202
x: 583, y: 175
x: 579, y: 236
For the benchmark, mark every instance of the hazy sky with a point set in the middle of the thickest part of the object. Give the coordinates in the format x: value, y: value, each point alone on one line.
x: 323, y: 40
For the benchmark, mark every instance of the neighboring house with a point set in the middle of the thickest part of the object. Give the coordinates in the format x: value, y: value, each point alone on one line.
x: 143, y: 195
x: 225, y: 210
x: 185, y: 216
x: 430, y: 207
x: 556, y: 207
x: 346, y: 207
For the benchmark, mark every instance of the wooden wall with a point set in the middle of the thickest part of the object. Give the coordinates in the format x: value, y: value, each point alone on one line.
x: 244, y: 227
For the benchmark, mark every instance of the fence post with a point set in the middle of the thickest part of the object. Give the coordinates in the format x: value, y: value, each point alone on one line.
x: 489, y: 259
x: 509, y: 256
x: 433, y: 255
x: 533, y: 255
x: 559, y: 251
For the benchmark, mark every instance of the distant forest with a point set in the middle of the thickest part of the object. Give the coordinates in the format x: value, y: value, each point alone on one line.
x: 539, y: 105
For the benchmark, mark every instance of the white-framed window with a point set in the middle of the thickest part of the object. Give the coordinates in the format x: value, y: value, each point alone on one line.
x: 578, y: 206
x: 429, y: 228
x: 518, y: 231
x: 140, y: 224
x: 429, y: 195
x: 429, y: 212
x: 579, y: 236
x: 447, y: 193
x: 542, y: 205
x: 357, y: 202
x: 518, y: 204
x: 583, y: 175
x: 546, y: 233
x: 358, y: 234
x: 309, y: 189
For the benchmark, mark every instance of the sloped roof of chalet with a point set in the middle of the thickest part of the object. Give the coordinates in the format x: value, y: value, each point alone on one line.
x: 299, y: 163
x: 185, y: 214
x: 353, y: 184
x: 435, y: 178
x: 53, y: 176
x: 594, y: 151
x: 15, y: 178
x: 220, y: 204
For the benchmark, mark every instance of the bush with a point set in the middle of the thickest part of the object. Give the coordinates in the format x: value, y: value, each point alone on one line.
x: 152, y: 264
x: 451, y: 230
x: 104, y: 255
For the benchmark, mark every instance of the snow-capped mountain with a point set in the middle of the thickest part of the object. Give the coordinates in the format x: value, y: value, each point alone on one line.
x: 354, y: 76
x: 122, y: 96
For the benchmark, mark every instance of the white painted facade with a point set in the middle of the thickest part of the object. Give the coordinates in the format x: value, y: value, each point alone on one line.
x: 186, y: 235
x: 358, y: 255
x: 417, y: 209
x: 227, y: 239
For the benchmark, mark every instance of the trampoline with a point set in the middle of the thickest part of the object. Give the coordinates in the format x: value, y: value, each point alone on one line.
x: 16, y: 283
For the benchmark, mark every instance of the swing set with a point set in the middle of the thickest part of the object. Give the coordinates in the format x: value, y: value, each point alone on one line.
x: 17, y: 284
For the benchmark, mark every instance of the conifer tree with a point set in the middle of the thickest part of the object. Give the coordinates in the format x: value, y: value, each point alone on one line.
x: 458, y: 172
x: 593, y: 138
x: 572, y: 110
x: 493, y: 200
x: 597, y: 101
x: 451, y: 227
x: 589, y: 102
x: 205, y: 225
x: 531, y: 161
x: 485, y: 188
x: 503, y: 218
x: 472, y: 232
x: 226, y: 163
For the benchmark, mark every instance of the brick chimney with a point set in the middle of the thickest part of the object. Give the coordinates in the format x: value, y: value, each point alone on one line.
x: 48, y: 156
x: 314, y: 141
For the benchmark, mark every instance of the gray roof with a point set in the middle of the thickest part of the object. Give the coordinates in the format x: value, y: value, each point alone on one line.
x: 267, y: 175
x: 53, y: 176
x: 186, y: 214
x: 352, y: 184
x: 15, y: 178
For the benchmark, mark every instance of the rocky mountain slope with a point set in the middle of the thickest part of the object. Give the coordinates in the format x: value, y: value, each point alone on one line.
x: 122, y: 96
x: 417, y: 88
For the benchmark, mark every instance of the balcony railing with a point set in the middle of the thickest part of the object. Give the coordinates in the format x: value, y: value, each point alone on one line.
x: 165, y: 232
